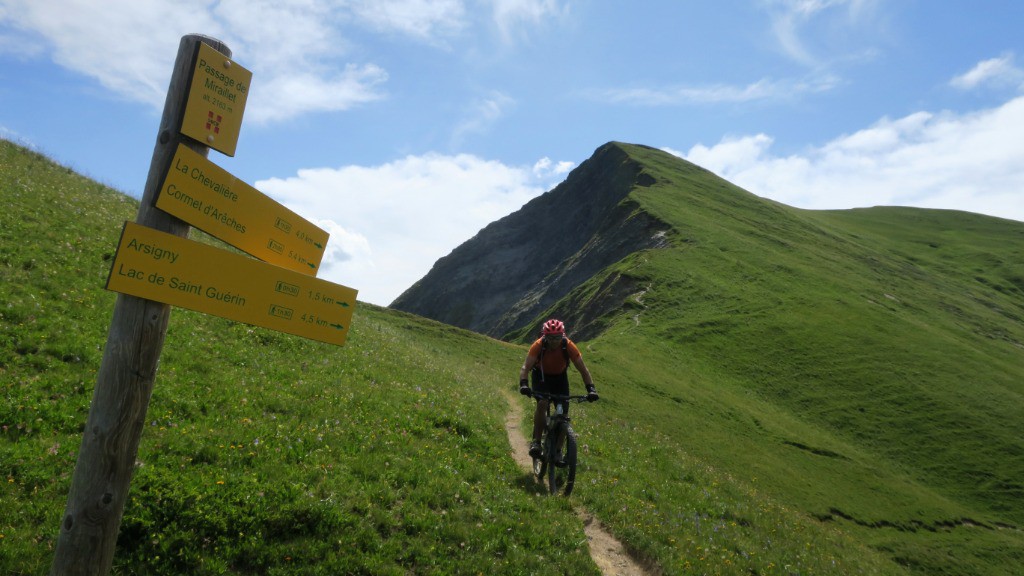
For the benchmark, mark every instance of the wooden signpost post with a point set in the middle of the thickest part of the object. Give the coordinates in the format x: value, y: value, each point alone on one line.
x: 157, y: 266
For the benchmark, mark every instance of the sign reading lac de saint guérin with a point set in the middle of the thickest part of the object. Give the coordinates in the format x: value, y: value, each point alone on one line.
x: 174, y: 270
x: 216, y: 100
x: 209, y: 198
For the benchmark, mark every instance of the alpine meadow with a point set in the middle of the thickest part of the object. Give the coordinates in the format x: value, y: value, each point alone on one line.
x: 783, y: 391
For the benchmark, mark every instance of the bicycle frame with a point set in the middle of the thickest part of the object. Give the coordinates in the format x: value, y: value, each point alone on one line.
x: 558, y: 433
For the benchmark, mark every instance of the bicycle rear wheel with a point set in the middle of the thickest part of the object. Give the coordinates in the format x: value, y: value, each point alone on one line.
x: 570, y: 461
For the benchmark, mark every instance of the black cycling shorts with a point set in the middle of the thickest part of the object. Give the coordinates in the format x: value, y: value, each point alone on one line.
x: 553, y: 384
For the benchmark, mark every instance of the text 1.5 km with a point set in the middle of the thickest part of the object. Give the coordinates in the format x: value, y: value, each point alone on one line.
x: 320, y: 297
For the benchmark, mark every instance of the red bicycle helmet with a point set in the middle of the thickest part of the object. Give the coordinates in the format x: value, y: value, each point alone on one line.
x: 553, y: 327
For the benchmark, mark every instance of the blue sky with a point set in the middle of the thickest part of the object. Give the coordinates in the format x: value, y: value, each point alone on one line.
x: 404, y: 126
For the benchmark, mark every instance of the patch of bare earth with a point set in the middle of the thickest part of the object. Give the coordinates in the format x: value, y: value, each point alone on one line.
x: 608, y: 553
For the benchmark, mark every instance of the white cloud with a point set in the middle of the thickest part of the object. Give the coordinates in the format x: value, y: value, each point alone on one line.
x: 545, y: 168
x: 135, y: 62
x: 997, y: 72
x: 424, y: 19
x: 294, y: 49
x: 17, y: 43
x: 514, y: 15
x: 972, y: 161
x: 729, y: 156
x: 390, y: 223
x: 344, y: 248
x: 302, y: 52
x: 814, y: 32
x: 481, y: 115
x: 291, y: 94
x: 764, y: 89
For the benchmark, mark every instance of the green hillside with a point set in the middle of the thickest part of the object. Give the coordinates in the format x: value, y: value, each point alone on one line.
x: 865, y: 365
x: 787, y: 392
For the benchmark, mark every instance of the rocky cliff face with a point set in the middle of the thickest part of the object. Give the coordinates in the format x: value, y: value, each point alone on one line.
x: 517, y: 267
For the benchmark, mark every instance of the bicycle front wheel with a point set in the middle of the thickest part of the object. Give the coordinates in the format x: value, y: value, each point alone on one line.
x: 550, y: 455
x: 570, y: 461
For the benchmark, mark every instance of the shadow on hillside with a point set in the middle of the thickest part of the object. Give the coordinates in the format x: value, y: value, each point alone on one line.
x: 528, y: 483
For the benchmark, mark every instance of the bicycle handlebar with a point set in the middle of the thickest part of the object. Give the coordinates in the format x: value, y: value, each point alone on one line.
x: 570, y: 398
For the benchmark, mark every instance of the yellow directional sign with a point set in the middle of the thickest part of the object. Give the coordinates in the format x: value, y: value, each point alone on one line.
x: 209, y: 198
x: 216, y: 100
x: 167, y: 268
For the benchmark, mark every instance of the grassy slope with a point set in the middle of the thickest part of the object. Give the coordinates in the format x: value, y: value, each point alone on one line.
x: 866, y: 366
x: 268, y: 453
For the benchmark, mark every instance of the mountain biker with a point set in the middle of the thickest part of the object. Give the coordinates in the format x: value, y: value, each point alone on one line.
x: 548, y: 360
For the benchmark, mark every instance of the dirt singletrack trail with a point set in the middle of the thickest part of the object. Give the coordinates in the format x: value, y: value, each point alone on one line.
x: 608, y: 553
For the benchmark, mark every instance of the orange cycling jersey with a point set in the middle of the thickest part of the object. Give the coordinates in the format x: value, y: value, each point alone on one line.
x: 554, y: 361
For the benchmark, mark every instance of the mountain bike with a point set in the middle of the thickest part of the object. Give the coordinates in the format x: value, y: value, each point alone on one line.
x: 558, y: 436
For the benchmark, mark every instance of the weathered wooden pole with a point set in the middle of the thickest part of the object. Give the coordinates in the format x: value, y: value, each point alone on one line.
x: 110, y: 442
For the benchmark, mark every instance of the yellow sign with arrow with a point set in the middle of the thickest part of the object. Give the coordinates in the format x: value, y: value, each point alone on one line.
x: 167, y: 268
x: 211, y: 199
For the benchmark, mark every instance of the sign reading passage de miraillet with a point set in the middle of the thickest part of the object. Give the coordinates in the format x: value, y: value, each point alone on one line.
x: 216, y: 100
x: 209, y: 198
x: 174, y: 270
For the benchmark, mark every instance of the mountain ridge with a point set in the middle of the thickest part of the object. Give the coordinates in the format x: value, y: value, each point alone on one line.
x: 528, y: 260
x: 883, y: 312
